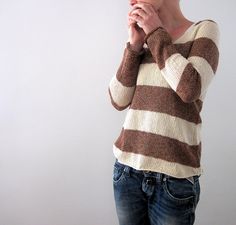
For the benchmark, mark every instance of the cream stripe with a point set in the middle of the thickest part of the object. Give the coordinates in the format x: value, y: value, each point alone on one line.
x: 209, y: 30
x: 163, y: 124
x: 150, y: 74
x: 204, y: 29
x: 205, y: 71
x: 173, y: 70
x: 142, y: 162
x: 121, y: 94
x: 175, y: 65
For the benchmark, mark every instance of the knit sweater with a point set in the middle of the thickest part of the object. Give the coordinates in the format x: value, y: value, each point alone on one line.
x: 164, y: 86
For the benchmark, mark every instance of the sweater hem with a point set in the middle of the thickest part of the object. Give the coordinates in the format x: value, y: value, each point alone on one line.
x: 142, y: 162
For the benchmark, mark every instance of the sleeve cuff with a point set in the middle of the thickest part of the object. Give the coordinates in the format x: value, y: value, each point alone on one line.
x: 147, y: 35
x: 135, y: 53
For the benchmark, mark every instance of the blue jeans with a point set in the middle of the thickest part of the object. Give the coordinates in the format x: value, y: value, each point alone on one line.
x: 153, y: 198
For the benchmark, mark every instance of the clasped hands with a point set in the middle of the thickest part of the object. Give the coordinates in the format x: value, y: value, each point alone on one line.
x: 146, y: 16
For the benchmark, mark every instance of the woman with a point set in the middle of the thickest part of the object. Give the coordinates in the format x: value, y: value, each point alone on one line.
x: 157, y: 168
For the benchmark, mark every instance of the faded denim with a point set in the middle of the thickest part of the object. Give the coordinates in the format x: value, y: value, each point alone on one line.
x: 153, y: 198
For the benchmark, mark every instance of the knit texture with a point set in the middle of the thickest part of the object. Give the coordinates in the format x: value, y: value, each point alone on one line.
x: 164, y: 86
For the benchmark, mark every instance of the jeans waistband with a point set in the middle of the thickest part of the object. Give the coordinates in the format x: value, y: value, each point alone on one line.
x: 146, y: 173
x: 157, y: 175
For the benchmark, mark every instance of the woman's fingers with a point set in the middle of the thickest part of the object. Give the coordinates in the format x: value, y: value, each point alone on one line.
x: 139, y: 12
x: 147, y: 8
x: 136, y: 18
x: 131, y: 20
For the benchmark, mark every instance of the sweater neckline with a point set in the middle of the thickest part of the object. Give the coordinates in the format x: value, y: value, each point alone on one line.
x: 186, y: 31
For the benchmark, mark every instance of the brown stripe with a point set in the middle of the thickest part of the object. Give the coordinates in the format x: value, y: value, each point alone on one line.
x: 128, y: 69
x: 158, y: 146
x: 161, y: 48
x: 165, y: 100
x: 207, y: 49
x: 193, y: 48
x: 189, y: 86
x: 120, y: 108
x: 148, y: 57
x: 182, y: 48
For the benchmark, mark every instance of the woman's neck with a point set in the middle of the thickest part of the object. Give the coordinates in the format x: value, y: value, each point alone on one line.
x: 172, y: 18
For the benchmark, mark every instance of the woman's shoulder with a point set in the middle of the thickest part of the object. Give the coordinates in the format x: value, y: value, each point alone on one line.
x: 207, y: 21
x: 203, y: 20
x: 207, y: 25
x: 208, y: 28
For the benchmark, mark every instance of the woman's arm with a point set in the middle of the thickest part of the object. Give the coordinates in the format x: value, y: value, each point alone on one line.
x: 188, y: 77
x: 122, y: 85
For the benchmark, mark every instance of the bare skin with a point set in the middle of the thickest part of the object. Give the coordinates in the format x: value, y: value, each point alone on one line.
x: 146, y: 15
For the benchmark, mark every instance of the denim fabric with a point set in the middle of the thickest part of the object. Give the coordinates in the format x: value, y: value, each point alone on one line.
x: 153, y: 198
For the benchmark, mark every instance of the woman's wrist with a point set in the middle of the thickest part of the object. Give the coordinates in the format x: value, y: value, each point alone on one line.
x: 136, y: 47
x: 152, y: 31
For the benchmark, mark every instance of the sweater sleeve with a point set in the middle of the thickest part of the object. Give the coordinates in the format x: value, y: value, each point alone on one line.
x: 188, y: 77
x: 122, y: 85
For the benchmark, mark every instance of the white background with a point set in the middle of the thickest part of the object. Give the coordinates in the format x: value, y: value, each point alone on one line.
x: 57, y: 124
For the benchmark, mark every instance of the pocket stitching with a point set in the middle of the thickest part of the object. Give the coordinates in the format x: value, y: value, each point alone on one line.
x: 172, y: 196
x: 121, y: 170
x: 191, y: 181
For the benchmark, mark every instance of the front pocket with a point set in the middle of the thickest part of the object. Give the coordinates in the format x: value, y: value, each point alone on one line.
x: 118, y: 173
x: 179, y: 189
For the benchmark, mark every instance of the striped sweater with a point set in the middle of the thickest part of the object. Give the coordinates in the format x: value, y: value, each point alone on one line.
x: 164, y: 86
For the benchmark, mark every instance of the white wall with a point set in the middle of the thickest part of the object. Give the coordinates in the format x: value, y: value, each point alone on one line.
x: 57, y: 124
